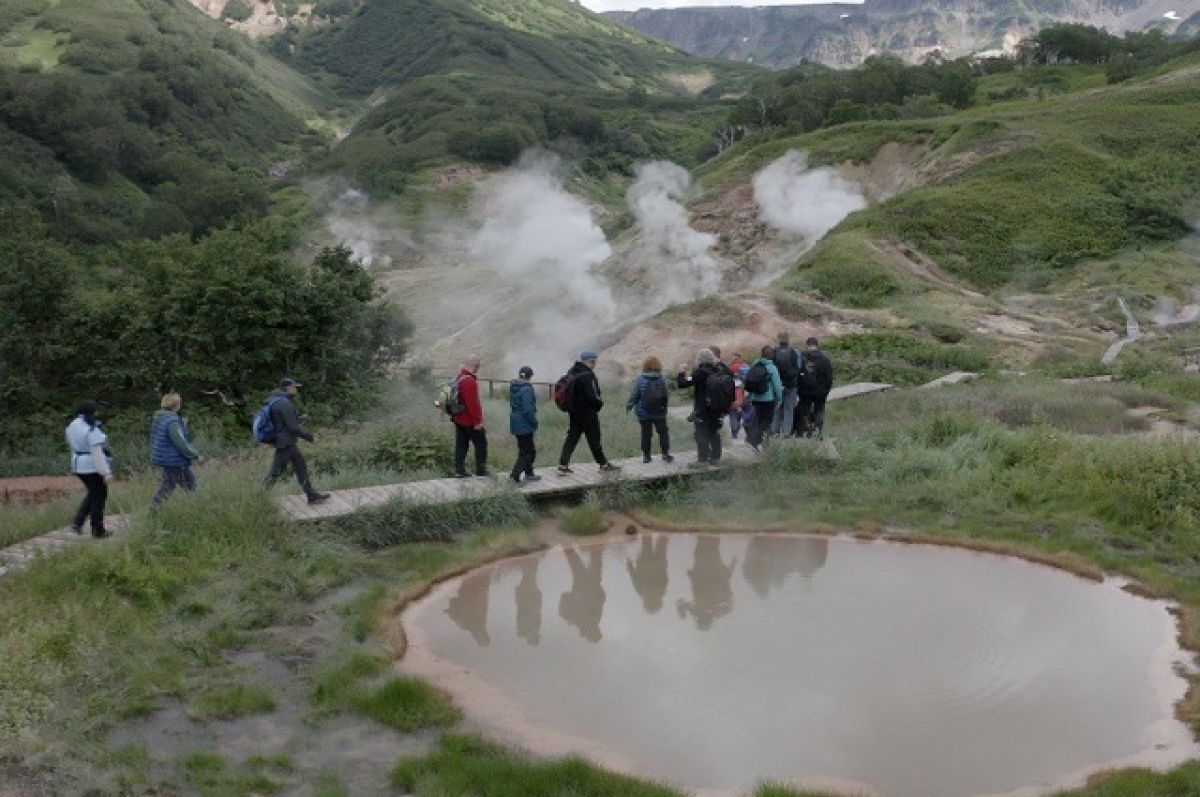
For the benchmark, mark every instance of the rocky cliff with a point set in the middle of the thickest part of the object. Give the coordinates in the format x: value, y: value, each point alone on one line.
x: 844, y: 34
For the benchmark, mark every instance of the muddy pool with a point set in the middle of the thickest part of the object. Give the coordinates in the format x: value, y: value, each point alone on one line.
x: 714, y: 662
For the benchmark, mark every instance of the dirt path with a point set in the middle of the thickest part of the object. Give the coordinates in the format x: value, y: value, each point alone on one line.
x: 37, y: 489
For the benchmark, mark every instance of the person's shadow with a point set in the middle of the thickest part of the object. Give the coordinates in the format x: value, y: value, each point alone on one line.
x: 529, y: 603
x: 469, y: 606
x: 771, y: 560
x: 649, y: 571
x: 712, y: 585
x: 583, y: 605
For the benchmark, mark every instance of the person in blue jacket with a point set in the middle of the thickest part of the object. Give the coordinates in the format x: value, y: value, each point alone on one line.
x: 648, y: 400
x: 172, y: 449
x: 523, y: 423
x: 764, y: 390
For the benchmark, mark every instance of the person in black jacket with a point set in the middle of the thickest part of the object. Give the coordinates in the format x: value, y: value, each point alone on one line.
x: 706, y: 421
x: 288, y: 433
x: 816, y: 380
x: 585, y: 403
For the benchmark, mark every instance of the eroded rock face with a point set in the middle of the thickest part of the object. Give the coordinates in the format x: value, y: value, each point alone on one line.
x: 843, y: 35
x: 265, y: 18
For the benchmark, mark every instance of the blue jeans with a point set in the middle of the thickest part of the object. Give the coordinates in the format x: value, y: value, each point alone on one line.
x: 172, y: 478
x: 785, y: 412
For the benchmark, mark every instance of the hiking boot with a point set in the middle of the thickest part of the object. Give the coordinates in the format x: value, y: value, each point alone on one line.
x: 101, y: 534
x: 462, y: 475
x: 484, y: 474
x: 646, y: 458
x: 78, y: 529
x: 608, y: 467
x: 563, y: 470
x: 515, y: 479
x: 532, y: 477
x: 667, y: 458
x: 318, y: 498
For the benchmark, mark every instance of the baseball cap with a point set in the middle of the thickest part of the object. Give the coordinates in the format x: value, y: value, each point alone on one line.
x: 525, y: 372
x: 287, y: 381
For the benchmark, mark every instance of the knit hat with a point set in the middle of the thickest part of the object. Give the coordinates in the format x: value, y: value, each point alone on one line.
x: 525, y: 372
x: 589, y: 354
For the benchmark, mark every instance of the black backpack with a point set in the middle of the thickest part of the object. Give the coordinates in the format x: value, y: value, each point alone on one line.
x: 789, y: 366
x: 810, y: 382
x: 720, y: 392
x: 758, y: 379
x: 654, y: 395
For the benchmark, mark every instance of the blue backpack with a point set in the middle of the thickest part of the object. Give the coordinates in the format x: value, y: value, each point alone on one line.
x: 262, y: 425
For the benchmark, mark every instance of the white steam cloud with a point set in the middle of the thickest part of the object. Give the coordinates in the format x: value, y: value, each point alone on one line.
x: 543, y: 245
x: 802, y: 201
x: 678, y: 261
x: 349, y: 223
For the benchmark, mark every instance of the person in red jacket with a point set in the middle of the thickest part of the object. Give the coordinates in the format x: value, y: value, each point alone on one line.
x: 468, y: 424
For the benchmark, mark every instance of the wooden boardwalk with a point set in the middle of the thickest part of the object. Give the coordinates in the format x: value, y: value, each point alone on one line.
x: 344, y: 502
x: 586, y: 476
x: 19, y: 556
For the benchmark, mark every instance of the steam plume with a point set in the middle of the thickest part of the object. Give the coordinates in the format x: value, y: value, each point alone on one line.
x: 678, y: 260
x: 802, y: 201
x: 542, y: 245
x: 350, y: 225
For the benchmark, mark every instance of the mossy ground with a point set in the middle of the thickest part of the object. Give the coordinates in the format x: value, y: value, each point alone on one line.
x: 100, y: 638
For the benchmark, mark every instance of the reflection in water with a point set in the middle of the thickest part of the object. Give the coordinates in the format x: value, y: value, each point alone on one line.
x: 649, y: 571
x: 469, y: 607
x: 583, y: 606
x: 712, y: 587
x: 529, y: 603
x: 770, y: 560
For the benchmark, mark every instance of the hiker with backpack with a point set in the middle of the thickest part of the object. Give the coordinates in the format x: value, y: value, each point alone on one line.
x: 577, y: 393
x: 171, y: 449
x: 91, y: 462
x: 523, y: 423
x: 278, y: 423
x: 787, y: 362
x: 648, y: 399
x: 466, y: 411
x: 816, y: 380
x: 712, y: 398
x: 764, y: 388
x: 739, y: 369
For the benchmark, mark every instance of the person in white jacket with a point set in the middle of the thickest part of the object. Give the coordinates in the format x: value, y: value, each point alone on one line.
x: 90, y: 461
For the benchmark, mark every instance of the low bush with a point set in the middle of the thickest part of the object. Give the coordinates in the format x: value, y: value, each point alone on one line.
x: 406, y: 704
x: 585, y: 520
x: 467, y: 765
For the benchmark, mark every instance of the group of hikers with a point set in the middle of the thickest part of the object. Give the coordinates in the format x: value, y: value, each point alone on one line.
x: 782, y: 393
x: 171, y: 449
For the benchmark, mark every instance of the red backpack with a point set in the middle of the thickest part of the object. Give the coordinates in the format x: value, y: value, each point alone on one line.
x: 562, y: 392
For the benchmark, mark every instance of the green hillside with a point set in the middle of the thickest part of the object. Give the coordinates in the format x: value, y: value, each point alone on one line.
x: 481, y: 80
x: 129, y: 118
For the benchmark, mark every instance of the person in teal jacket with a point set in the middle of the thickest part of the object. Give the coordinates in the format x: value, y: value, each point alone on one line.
x: 764, y: 401
x: 523, y: 423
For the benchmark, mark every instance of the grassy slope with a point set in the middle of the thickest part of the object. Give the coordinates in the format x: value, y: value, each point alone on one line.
x: 178, y: 97
x: 1066, y: 200
x: 482, y: 79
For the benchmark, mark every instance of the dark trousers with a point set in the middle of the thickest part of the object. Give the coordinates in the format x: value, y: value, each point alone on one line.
x: 172, y: 478
x: 526, y: 454
x: 93, y: 503
x: 810, y: 413
x: 464, y: 438
x: 583, y: 426
x: 649, y: 427
x: 708, y: 438
x: 735, y: 422
x: 764, y: 414
x: 290, y: 455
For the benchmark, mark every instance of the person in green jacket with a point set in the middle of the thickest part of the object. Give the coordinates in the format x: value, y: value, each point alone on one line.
x: 764, y: 389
